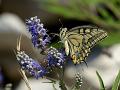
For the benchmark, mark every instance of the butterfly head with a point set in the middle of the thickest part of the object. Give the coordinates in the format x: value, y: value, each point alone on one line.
x: 63, y: 32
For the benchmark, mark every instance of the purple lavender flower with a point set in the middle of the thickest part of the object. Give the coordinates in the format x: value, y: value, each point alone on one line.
x: 30, y: 65
x: 39, y: 38
x: 55, y: 58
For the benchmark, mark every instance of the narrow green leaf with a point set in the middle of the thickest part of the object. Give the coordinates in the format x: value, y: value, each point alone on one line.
x: 116, y: 82
x: 105, y: 13
x: 54, y: 88
x: 102, y: 87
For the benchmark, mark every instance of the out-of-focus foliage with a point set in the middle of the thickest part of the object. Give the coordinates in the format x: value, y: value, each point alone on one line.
x: 104, y: 13
x: 115, y: 84
x: 102, y: 87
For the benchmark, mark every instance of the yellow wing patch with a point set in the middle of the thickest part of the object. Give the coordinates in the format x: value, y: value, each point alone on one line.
x: 66, y: 48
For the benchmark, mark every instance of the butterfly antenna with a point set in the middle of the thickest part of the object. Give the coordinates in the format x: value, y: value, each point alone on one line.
x: 61, y: 24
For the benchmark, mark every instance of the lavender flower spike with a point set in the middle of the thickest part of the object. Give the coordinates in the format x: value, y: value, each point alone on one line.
x: 30, y: 65
x: 39, y: 38
x: 55, y: 58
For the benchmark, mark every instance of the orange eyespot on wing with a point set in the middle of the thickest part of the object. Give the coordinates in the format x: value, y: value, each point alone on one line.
x: 74, y: 58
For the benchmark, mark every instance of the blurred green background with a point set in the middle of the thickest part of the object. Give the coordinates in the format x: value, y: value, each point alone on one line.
x: 103, y: 13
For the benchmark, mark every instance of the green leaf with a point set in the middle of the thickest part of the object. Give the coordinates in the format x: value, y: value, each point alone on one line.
x: 61, y: 10
x: 102, y: 87
x: 116, y: 82
x: 105, y: 13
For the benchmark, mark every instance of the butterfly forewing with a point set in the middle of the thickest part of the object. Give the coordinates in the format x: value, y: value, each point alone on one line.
x: 91, y: 34
x: 94, y: 37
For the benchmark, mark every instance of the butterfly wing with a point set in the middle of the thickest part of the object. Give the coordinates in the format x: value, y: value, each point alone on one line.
x: 66, y: 47
x: 82, y: 39
x: 74, y: 44
x: 91, y: 34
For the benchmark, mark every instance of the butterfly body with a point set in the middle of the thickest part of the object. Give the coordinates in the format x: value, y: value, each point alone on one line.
x: 79, y: 40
